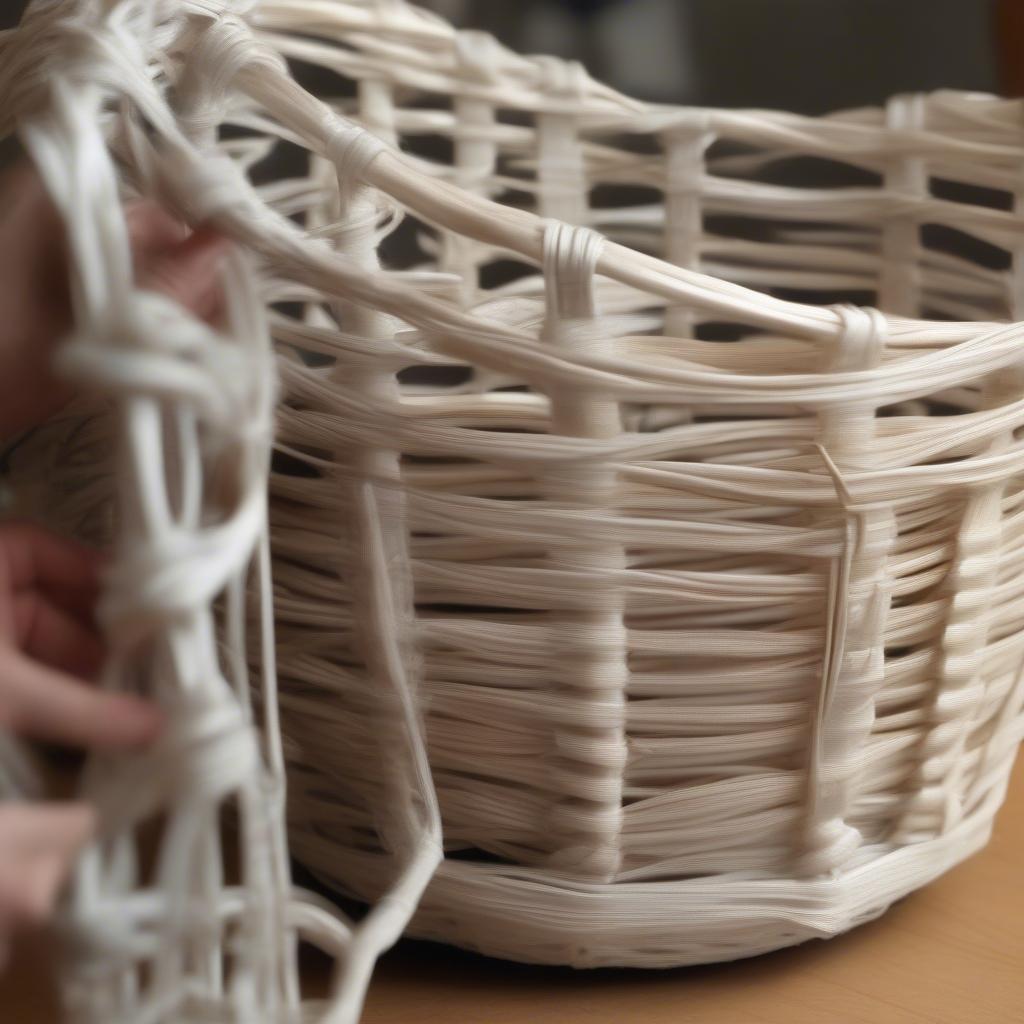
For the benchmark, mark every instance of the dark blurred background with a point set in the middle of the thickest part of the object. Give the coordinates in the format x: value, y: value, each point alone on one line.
x: 808, y: 56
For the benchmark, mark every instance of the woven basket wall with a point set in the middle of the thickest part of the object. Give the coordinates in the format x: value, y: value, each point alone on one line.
x: 711, y: 597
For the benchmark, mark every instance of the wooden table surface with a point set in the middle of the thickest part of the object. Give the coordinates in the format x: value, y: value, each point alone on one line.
x: 952, y: 953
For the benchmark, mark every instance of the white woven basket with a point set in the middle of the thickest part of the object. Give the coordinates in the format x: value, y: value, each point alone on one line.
x: 710, y: 599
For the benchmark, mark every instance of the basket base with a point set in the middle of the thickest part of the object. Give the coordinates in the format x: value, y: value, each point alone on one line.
x: 526, y: 915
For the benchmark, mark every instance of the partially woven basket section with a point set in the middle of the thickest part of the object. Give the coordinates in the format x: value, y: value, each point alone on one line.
x: 910, y: 207
x: 709, y: 598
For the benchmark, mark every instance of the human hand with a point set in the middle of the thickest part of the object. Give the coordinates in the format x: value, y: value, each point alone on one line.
x: 48, y: 644
x: 48, y: 648
x: 34, y: 295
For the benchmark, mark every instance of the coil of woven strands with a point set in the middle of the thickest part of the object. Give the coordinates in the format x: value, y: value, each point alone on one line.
x: 707, y: 597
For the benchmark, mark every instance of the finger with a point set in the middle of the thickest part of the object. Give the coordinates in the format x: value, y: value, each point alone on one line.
x: 50, y: 635
x: 38, y: 845
x: 35, y: 557
x: 78, y: 602
x: 188, y: 273
x: 47, y: 704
